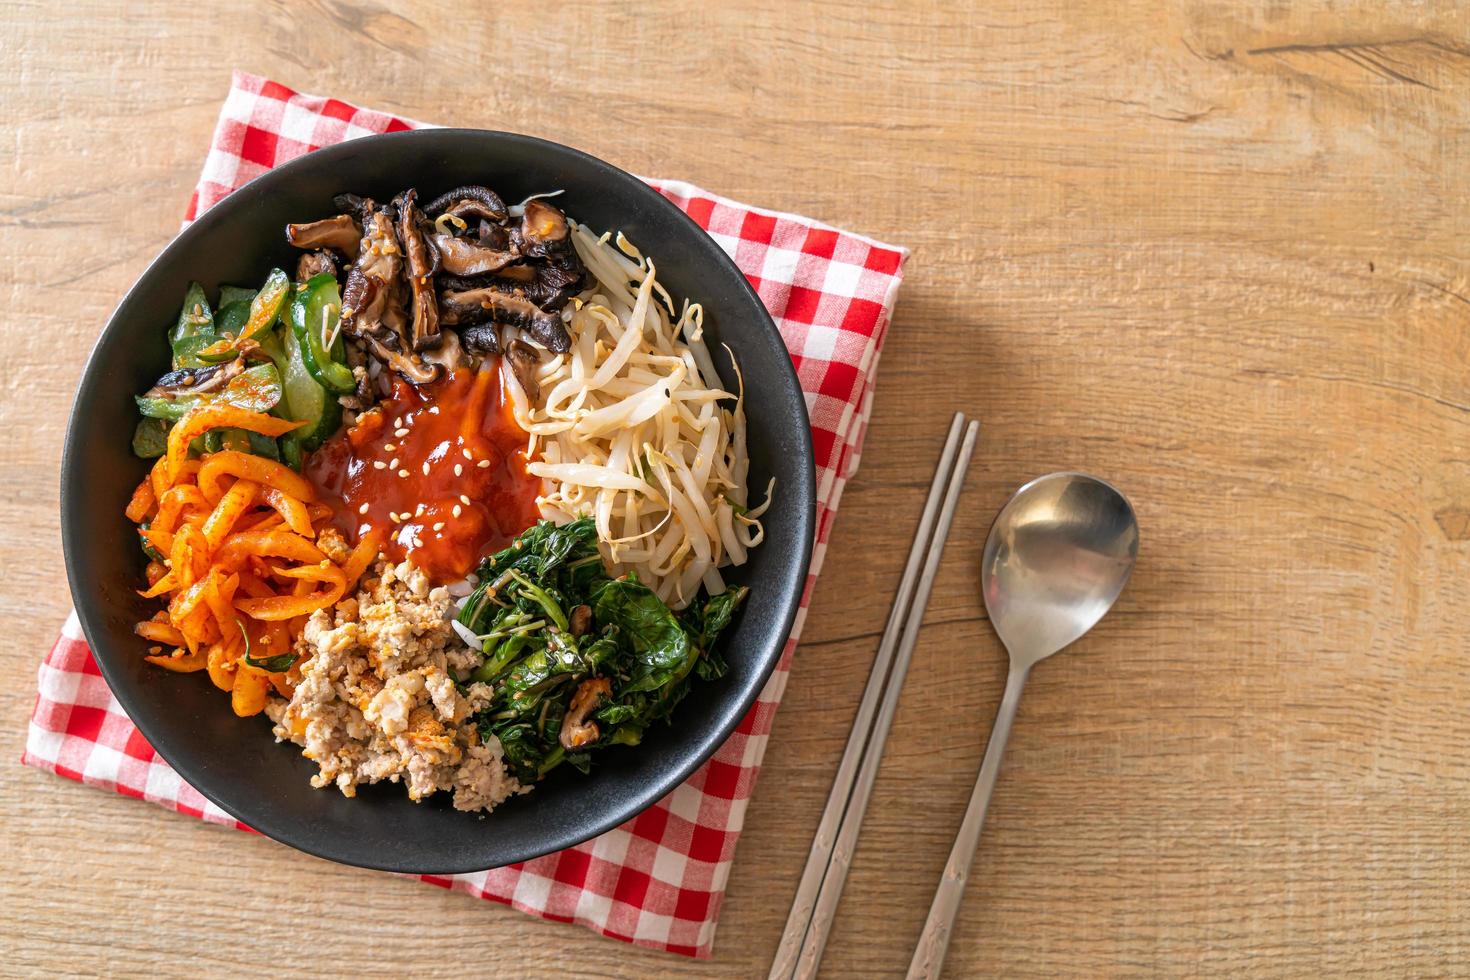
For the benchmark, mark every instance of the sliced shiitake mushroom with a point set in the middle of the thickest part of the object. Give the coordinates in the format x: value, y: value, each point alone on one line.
x: 467, y: 257
x: 195, y: 381
x: 478, y: 305
x: 314, y: 264
x: 340, y: 233
x: 547, y: 284
x: 523, y: 363
x: 470, y: 200
x: 420, y: 269
x: 450, y: 353
x: 543, y: 230
x: 413, y: 368
x: 580, y: 620
x: 373, y: 279
x: 481, y: 339
x: 577, y: 730
x: 491, y: 270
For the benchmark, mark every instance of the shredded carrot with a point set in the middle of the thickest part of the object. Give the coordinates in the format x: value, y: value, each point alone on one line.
x: 272, y: 544
x: 257, y: 469
x: 277, y: 638
x: 161, y: 479
x: 263, y: 520
x: 188, y: 555
x: 362, y: 556
x: 235, y: 502
x: 198, y: 626
x: 215, y: 416
x: 296, y: 515
x: 220, y: 593
x: 174, y: 502
x: 142, y: 503
x: 221, y: 665
x: 161, y: 540
x: 163, y: 586
x: 289, y: 606
x: 158, y: 478
x: 183, y: 663
x: 252, y: 585
x: 249, y: 694
x: 159, y: 633
x: 184, y: 603
x: 242, y: 569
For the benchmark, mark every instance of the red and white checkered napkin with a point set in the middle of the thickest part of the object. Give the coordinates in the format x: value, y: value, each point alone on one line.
x: 658, y: 879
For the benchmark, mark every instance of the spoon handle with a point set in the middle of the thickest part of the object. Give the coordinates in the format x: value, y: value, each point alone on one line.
x: 934, y: 940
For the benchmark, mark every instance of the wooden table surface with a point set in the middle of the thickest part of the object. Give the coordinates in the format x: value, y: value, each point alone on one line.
x: 1213, y: 252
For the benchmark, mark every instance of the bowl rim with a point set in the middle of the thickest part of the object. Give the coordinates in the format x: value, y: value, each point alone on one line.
x: 233, y: 207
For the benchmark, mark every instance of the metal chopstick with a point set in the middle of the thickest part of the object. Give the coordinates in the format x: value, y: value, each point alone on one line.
x: 831, y: 891
x: 784, y: 964
x: 841, y: 819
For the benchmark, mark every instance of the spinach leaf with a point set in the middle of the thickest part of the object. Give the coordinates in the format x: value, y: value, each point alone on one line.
x: 707, y: 621
x: 661, y: 648
x: 521, y: 612
x: 539, y: 551
x: 523, y: 751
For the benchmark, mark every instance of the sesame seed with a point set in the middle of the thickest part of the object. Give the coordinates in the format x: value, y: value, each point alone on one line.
x: 400, y: 433
x: 393, y: 463
x: 426, y: 467
x: 456, y: 511
x: 363, y: 509
x: 433, y: 409
x: 393, y: 516
x: 418, y: 511
x: 464, y: 500
x: 458, y: 469
x: 389, y: 447
x: 439, y: 525
x: 378, y: 464
x: 403, y: 473
x: 467, y: 454
x: 483, y: 463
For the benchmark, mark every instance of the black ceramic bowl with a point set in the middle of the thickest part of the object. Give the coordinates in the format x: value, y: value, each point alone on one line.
x: 234, y: 761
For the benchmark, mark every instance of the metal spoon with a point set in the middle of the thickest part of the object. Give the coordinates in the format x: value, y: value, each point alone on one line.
x: 1058, y: 555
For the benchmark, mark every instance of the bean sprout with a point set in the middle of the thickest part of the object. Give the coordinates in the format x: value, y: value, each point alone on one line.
x: 633, y: 430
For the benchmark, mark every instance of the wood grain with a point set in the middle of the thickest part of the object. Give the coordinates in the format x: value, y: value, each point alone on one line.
x: 1213, y: 252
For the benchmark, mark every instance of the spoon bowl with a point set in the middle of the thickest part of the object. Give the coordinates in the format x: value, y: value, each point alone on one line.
x: 1058, y: 556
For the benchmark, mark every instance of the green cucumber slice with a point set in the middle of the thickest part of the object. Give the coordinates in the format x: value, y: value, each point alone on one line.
x: 315, y: 314
x: 306, y: 400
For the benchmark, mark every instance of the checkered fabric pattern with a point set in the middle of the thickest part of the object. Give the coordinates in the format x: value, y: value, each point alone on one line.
x: 657, y: 880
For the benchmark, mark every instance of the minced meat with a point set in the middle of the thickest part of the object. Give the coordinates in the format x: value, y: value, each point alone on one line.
x: 377, y: 697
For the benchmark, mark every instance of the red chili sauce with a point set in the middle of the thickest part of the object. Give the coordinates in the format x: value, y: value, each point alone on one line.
x: 408, y: 466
